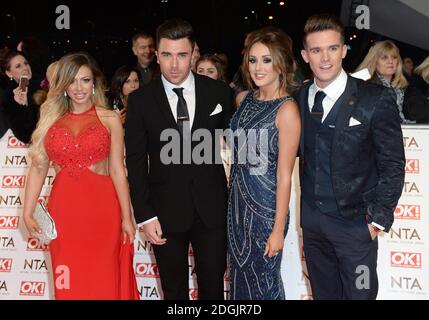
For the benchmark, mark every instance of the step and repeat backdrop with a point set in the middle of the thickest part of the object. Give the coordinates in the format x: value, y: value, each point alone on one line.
x: 25, y: 266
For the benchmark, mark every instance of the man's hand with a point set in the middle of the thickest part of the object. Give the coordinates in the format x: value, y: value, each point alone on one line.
x: 373, y: 231
x: 153, y: 233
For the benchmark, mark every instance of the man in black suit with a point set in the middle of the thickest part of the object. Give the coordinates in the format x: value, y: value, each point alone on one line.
x: 180, y: 203
x: 351, y: 166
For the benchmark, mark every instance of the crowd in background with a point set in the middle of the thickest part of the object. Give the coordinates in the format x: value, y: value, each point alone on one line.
x: 409, y: 84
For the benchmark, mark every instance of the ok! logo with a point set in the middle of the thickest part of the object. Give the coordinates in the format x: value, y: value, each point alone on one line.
x: 408, y: 212
x: 406, y: 260
x: 34, y: 244
x: 193, y: 294
x: 13, y: 181
x: 13, y: 142
x: 9, y: 222
x: 5, y: 264
x: 412, y: 166
x: 147, y: 270
x: 32, y: 288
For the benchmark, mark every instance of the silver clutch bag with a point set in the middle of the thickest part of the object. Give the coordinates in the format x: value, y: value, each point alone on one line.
x: 46, y: 224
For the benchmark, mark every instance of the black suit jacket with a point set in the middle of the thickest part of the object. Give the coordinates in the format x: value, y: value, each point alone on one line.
x: 174, y: 192
x: 367, y: 160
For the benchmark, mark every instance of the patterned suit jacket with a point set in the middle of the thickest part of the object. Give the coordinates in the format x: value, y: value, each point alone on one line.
x: 367, y: 160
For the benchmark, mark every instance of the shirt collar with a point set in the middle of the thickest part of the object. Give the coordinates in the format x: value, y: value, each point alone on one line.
x: 335, y: 89
x: 187, y: 85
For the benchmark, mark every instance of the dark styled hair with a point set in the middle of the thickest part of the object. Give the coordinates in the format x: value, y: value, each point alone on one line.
x: 141, y: 34
x: 323, y: 22
x: 6, y: 55
x: 220, y: 61
x: 175, y: 29
x: 279, y: 44
x: 120, y: 76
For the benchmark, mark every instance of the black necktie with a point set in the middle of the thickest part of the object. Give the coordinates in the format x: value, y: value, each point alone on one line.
x: 182, y: 109
x: 317, y: 110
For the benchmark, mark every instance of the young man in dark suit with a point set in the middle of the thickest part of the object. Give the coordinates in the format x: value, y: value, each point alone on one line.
x: 181, y: 202
x: 351, y: 166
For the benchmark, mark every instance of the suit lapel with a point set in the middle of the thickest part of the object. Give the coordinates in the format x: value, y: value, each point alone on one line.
x: 303, y: 103
x: 347, y: 103
x: 163, y: 104
x: 201, y: 103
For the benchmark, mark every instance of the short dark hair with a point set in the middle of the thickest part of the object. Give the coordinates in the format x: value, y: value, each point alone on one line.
x: 323, y: 22
x: 175, y: 29
x: 141, y: 34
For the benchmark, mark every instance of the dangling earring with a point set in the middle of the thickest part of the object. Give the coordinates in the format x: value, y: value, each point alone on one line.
x: 65, y: 94
x: 11, y: 78
x: 93, y: 89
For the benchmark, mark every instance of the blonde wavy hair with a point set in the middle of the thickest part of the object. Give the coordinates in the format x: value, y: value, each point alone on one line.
x: 423, y: 70
x: 58, y: 104
x: 378, y: 50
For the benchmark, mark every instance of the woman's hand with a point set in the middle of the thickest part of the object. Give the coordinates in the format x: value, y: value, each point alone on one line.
x: 274, y: 244
x: 128, y: 229
x: 32, y: 226
x: 20, y: 96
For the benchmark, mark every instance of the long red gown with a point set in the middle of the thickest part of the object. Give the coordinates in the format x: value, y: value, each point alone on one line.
x: 86, y: 211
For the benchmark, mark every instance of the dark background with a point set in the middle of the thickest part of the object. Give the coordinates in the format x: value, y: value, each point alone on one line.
x: 105, y: 29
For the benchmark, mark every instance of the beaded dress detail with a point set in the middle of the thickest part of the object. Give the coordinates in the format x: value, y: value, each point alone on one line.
x: 77, y: 141
x: 252, y: 201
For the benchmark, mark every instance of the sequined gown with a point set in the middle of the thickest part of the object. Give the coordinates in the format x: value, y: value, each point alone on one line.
x: 252, y: 202
x: 85, y: 208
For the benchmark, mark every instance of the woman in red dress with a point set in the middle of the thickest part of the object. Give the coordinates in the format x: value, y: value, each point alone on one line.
x: 89, y: 201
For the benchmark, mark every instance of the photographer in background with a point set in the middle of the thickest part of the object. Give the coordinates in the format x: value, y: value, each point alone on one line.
x: 18, y: 111
x: 124, y: 81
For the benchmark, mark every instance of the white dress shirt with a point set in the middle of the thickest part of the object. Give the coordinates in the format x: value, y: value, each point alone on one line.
x: 189, y: 94
x: 333, y: 91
